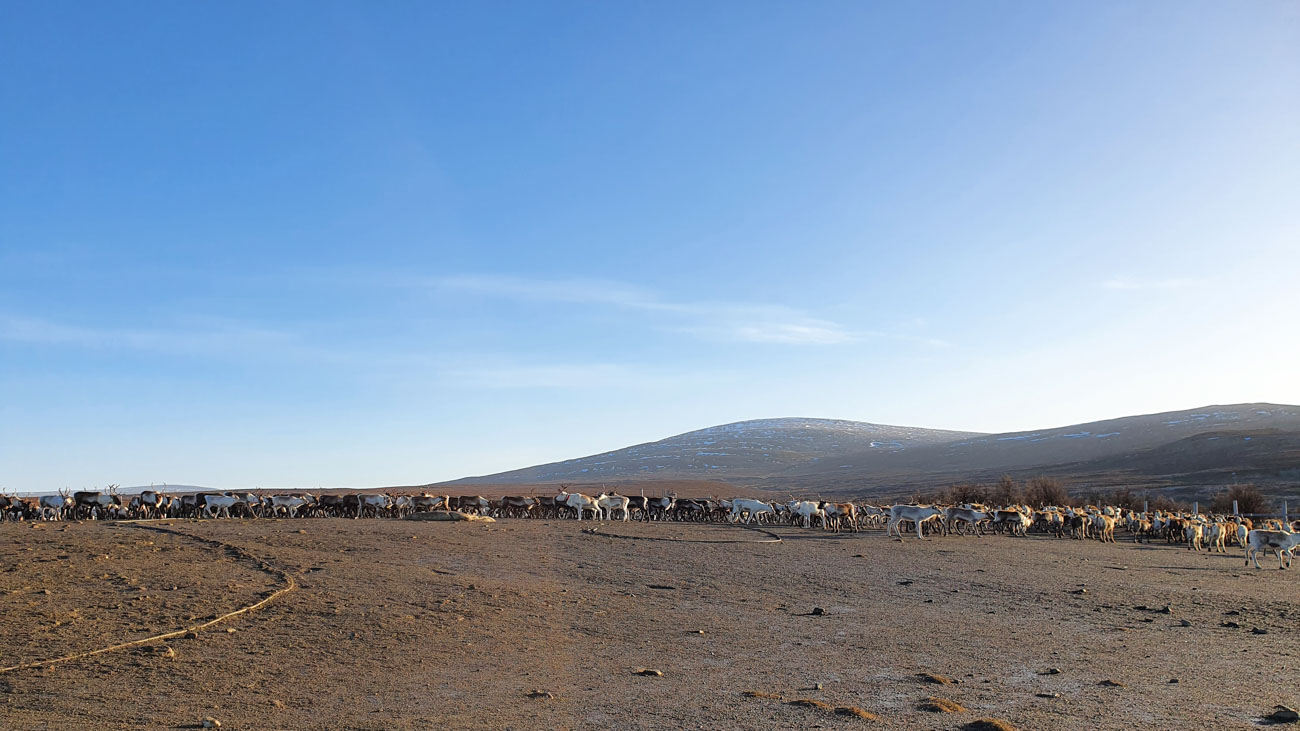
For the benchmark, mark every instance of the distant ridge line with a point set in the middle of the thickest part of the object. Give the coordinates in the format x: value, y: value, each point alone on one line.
x: 844, y: 455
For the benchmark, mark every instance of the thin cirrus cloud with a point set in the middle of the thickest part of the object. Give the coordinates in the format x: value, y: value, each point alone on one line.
x: 1137, y: 283
x: 719, y: 321
x: 244, y: 342
x: 190, y: 341
x: 564, y: 376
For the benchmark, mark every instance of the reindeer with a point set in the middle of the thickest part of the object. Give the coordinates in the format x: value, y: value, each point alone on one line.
x: 18, y: 508
x: 917, y: 514
x: 578, y: 502
x: 149, y: 503
x: 91, y: 505
x: 55, y: 507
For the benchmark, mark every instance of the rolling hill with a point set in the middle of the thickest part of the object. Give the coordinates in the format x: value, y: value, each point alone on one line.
x: 746, y: 449
x: 1083, y: 450
x: 1190, y: 450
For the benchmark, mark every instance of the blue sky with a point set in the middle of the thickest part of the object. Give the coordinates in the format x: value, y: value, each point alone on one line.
x: 367, y: 244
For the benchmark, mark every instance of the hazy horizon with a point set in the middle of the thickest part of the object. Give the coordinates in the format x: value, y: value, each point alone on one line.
x: 337, y: 244
x: 703, y: 476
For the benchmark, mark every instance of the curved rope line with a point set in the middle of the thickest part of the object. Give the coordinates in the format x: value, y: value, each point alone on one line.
x: 264, y: 567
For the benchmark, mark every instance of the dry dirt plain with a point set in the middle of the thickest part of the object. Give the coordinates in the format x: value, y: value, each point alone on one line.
x: 399, y: 624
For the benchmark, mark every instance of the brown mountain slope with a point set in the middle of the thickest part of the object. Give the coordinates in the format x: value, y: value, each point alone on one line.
x: 745, y: 449
x: 1093, y: 445
x: 1195, y: 450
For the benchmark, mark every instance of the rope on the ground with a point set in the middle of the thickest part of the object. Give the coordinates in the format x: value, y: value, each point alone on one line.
x: 263, y: 566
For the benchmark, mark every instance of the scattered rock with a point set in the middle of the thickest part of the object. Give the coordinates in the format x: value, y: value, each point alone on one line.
x: 817, y: 686
x: 906, y: 582
x: 1079, y: 591
x: 1232, y: 613
x: 1167, y: 609
x: 1051, y: 671
x: 1111, y: 684
x: 277, y: 703
x: 191, y: 635
x: 542, y: 694
x: 230, y: 630
x: 855, y: 712
x: 159, y: 650
x: 1184, y: 623
x: 1283, y: 714
x: 988, y: 724
x: 817, y: 611
x: 1230, y: 625
x: 665, y: 587
x: 210, y: 722
x: 1258, y: 631
x: 1048, y: 695
x: 302, y: 532
x: 935, y: 678
x: 1172, y: 681
x: 935, y: 704
x: 650, y: 672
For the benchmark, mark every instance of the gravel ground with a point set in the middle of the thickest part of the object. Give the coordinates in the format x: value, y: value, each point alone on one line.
x: 401, y: 624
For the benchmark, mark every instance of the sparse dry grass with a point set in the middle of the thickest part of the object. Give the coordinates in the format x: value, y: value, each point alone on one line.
x: 852, y: 711
x: 811, y: 703
x: 988, y: 724
x: 935, y: 704
x: 855, y: 712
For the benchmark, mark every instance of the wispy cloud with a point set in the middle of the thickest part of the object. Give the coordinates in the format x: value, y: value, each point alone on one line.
x: 1137, y: 283
x: 755, y: 324
x: 720, y: 321
x: 906, y: 338
x: 556, y: 376
x: 572, y: 291
x: 196, y: 340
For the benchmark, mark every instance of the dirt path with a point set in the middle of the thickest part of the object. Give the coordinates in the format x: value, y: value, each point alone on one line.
x: 435, y: 625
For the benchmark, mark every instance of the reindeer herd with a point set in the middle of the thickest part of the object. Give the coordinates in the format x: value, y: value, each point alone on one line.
x: 1198, y: 531
x: 75, y: 505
